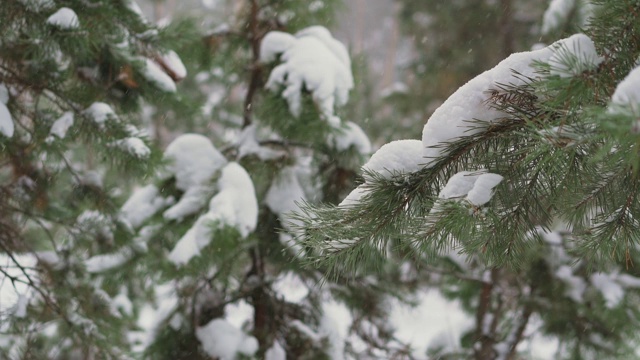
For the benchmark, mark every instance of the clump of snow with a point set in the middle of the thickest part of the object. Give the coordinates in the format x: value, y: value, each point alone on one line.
x: 556, y: 14
x: 61, y: 126
x: 400, y: 156
x: 575, y: 284
x: 608, y: 287
x: 234, y: 205
x: 335, y: 324
x: 283, y: 194
x: 291, y: 287
x: 459, y: 185
x: 482, y: 190
x: 143, y: 204
x: 275, y: 352
x: 173, y: 65
x: 134, y: 146
x: 573, y: 56
x: 627, y: 94
x: 100, y: 112
x: 275, y: 43
x: 443, y: 316
x: 221, y: 340
x: 311, y: 60
x: 64, y: 18
x: 450, y: 121
x: 393, y: 89
x: 6, y: 121
x: 354, y: 196
x: 350, y: 135
x: 105, y: 262
x: 247, y: 144
x: 193, y: 160
x: 477, y: 186
x: 154, y: 74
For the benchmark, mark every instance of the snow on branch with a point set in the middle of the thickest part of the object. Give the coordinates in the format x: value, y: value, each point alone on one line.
x: 310, y: 60
x: 451, y: 120
x: 234, y: 205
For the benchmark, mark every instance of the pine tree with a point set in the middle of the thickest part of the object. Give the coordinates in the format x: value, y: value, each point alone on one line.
x: 520, y: 201
x: 198, y: 260
x: 72, y: 77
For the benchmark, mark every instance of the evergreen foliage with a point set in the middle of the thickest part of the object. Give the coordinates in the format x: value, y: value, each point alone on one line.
x: 555, y: 246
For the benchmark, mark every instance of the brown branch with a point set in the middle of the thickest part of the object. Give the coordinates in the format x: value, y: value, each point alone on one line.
x: 485, y: 351
x: 256, y: 69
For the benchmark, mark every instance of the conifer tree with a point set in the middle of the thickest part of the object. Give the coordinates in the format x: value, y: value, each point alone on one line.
x: 520, y: 200
x: 198, y: 261
x: 72, y: 76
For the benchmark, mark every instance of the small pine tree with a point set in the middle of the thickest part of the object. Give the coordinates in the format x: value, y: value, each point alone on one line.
x: 520, y: 200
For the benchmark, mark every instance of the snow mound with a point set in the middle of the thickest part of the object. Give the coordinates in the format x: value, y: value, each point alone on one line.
x: 172, y: 63
x: 350, y: 135
x: 61, y: 126
x: 311, y: 60
x: 573, y: 56
x: 220, y: 339
x: 6, y: 121
x: 154, y: 74
x: 477, y: 186
x: 64, y: 18
x: 396, y: 157
x: 234, y: 205
x: 193, y: 160
x: 556, y: 14
x: 627, y: 93
x: 400, y: 156
x: 100, y: 112
x: 469, y: 102
x: 143, y: 204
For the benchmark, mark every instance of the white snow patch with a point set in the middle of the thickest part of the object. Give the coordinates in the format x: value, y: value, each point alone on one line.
x: 174, y: 65
x: 311, y: 60
x: 239, y: 313
x: 134, y: 146
x: 275, y: 352
x: 105, y: 262
x: 556, y: 14
x: 100, y: 112
x: 235, y: 205
x: 449, y: 121
x: 61, y: 126
x: 291, y: 287
x: 354, y: 197
x: 154, y: 74
x: 143, y: 204
x: 64, y: 18
x: 219, y: 339
x: 446, y: 320
x: 6, y: 121
x: 335, y: 324
x: 400, y: 156
x: 626, y: 97
x: 574, y: 55
x: 482, y: 190
x: 608, y: 287
x: 350, y: 135
x: 193, y: 160
x: 576, y: 285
